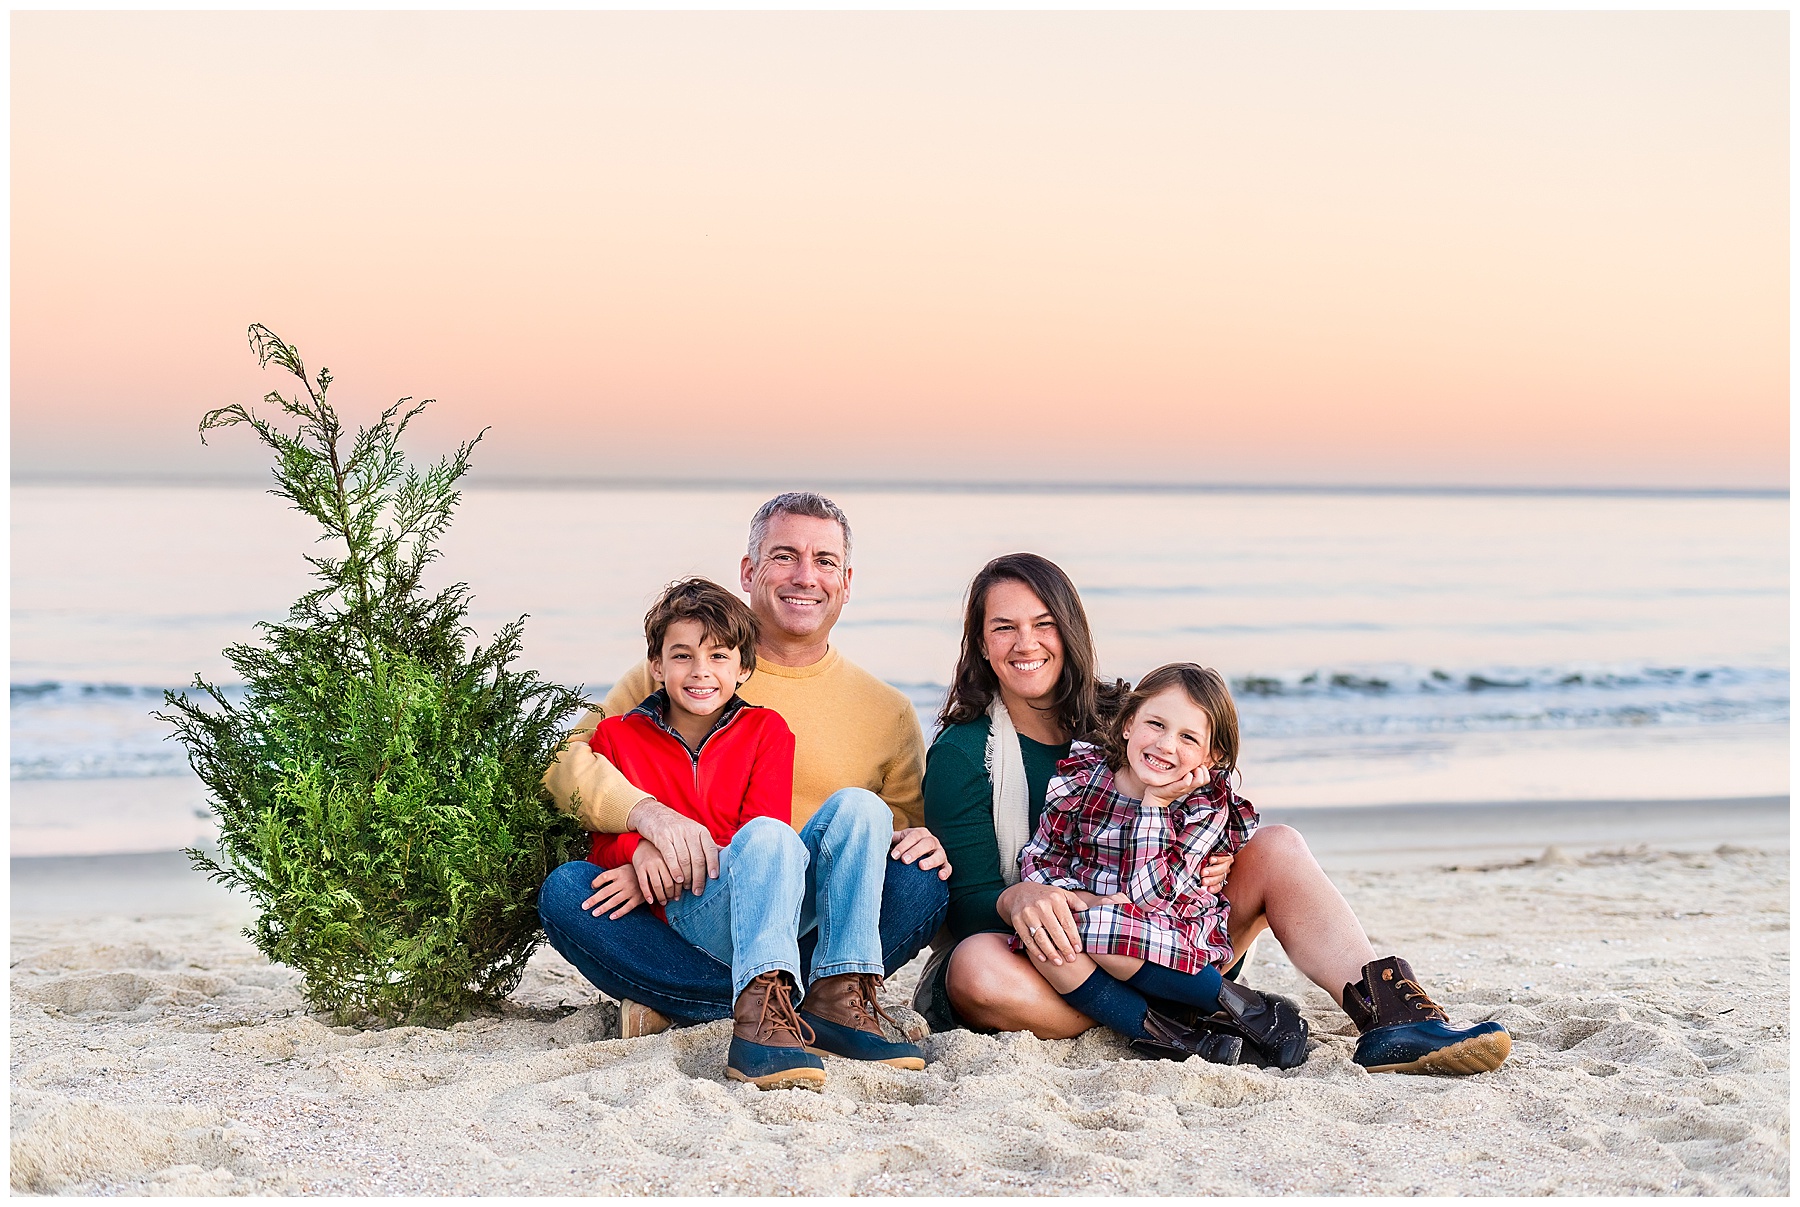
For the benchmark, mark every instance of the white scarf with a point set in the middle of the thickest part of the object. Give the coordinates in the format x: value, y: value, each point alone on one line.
x: 1005, y: 763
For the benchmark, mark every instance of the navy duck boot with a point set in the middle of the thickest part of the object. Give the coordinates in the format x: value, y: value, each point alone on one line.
x: 843, y: 1013
x: 1404, y: 1031
x: 768, y: 1040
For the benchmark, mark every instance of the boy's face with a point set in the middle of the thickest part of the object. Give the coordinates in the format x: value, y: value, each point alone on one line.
x: 699, y: 674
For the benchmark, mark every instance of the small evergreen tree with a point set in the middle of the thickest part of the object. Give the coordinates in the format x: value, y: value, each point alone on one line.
x: 377, y: 787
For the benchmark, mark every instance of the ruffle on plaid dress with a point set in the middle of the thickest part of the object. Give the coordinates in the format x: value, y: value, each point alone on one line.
x: 1094, y: 838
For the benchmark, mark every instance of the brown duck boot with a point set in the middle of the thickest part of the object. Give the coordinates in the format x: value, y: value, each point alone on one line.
x: 844, y: 1013
x: 1404, y: 1031
x: 768, y: 1040
x: 637, y: 1020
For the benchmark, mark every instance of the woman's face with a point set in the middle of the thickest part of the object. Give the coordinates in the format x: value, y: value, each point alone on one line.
x: 1168, y: 737
x: 1021, y: 642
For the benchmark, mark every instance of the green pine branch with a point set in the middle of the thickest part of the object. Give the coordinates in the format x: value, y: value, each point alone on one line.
x: 377, y: 787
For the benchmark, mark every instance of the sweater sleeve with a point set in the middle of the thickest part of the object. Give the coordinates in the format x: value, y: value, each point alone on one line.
x: 902, y: 784
x: 769, y: 790
x: 959, y: 810
x: 609, y: 850
x: 585, y: 784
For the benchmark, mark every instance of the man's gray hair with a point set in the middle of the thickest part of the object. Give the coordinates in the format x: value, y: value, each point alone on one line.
x: 795, y: 502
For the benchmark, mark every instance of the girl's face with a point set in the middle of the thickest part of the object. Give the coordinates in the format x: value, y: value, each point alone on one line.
x: 1168, y: 737
x: 1021, y: 642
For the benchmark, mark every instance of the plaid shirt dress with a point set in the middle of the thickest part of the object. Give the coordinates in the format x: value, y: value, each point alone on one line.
x: 1094, y: 838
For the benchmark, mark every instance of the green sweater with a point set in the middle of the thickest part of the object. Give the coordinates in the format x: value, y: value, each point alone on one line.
x: 959, y: 809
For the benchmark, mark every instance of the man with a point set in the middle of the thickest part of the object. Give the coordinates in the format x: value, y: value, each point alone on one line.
x: 857, y: 741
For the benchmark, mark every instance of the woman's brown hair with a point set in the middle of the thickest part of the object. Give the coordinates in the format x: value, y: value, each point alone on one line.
x: 1210, y: 694
x: 1083, y: 703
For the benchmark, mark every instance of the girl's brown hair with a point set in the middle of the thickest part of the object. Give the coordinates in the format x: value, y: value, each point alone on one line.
x: 1083, y: 703
x: 1210, y: 694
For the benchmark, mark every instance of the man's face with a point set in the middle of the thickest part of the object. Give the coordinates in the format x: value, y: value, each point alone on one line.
x: 799, y: 582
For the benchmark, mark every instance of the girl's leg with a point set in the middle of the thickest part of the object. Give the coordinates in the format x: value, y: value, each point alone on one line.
x: 1276, y: 882
x: 1198, y: 989
x: 997, y: 989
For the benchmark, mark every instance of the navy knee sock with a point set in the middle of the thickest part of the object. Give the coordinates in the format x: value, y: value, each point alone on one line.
x: 1110, y: 1003
x: 1198, y: 989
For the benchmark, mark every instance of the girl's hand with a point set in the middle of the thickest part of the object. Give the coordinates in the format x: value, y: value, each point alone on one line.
x: 617, y: 891
x: 1212, y: 875
x: 1092, y: 899
x: 1168, y: 794
x: 1044, y: 919
x: 654, y: 879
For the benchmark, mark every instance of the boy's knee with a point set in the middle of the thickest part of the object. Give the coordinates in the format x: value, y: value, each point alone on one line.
x: 860, y: 810
x: 768, y: 841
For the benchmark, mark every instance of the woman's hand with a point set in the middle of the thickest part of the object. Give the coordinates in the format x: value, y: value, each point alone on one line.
x: 654, y: 880
x: 1218, y: 866
x: 617, y: 891
x: 1044, y: 918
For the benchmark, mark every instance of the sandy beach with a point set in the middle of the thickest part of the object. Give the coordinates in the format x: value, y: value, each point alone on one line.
x: 1641, y: 965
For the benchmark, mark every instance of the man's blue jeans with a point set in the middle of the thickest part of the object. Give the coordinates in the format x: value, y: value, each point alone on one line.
x: 775, y: 885
x: 641, y: 957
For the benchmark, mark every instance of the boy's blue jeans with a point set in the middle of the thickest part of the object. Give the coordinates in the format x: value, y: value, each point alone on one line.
x: 775, y: 885
x: 642, y: 958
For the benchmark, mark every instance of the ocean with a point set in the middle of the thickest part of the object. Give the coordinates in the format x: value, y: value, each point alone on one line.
x: 1401, y: 647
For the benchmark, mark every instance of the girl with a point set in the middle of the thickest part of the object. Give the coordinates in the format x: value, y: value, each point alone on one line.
x: 1127, y: 829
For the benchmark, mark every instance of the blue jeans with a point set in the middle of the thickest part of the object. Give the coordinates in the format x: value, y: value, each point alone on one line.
x: 641, y: 957
x: 775, y: 885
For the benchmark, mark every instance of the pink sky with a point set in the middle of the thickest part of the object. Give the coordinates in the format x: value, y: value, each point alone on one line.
x: 1532, y: 248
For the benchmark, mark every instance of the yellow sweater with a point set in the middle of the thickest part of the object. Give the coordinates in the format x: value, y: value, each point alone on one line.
x: 851, y: 730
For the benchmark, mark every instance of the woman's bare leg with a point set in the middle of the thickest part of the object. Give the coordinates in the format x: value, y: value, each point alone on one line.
x: 991, y: 986
x: 1276, y: 882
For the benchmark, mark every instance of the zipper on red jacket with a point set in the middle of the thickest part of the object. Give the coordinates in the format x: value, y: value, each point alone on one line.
x: 693, y: 754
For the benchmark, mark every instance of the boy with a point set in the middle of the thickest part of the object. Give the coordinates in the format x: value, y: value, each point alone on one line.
x: 698, y: 747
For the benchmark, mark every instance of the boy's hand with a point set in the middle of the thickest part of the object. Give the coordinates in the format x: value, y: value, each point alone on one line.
x: 918, y: 843
x: 617, y: 890
x: 652, y: 875
x: 1218, y: 866
x: 688, y: 847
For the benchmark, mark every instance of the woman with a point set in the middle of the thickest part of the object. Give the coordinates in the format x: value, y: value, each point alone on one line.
x: 1025, y: 686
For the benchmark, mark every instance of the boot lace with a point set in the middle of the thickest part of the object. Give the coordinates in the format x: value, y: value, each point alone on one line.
x: 1414, y: 995
x: 868, y: 997
x: 779, y: 1016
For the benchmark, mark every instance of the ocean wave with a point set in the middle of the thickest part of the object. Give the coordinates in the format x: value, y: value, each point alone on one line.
x: 64, y: 730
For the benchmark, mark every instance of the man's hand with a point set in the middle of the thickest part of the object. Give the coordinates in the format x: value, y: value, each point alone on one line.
x: 685, y: 845
x: 1212, y: 876
x: 1044, y: 918
x: 651, y: 873
x: 617, y: 887
x: 916, y: 843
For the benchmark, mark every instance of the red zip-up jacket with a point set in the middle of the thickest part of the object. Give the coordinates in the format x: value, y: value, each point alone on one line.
x: 743, y: 769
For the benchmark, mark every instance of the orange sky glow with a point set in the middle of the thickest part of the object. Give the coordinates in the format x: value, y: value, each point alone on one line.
x: 1424, y: 248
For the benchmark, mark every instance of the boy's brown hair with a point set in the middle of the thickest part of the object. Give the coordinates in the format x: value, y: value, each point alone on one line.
x: 1209, y: 693
x: 723, y: 616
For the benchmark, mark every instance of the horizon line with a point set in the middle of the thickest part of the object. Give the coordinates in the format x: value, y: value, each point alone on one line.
x: 548, y: 482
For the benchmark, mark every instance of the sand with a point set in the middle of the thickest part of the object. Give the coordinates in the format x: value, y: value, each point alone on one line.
x: 154, y: 1052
